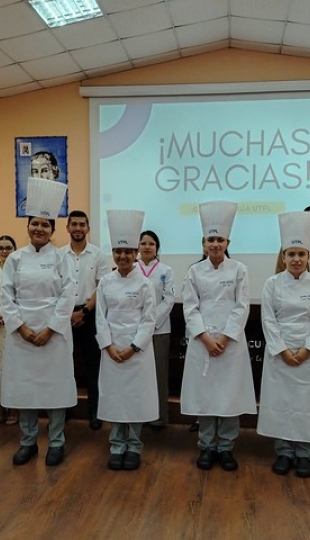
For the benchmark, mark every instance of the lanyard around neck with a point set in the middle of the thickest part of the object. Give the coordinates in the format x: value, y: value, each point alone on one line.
x: 148, y: 273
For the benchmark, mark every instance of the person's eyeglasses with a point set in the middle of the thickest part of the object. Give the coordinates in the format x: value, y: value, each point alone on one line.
x: 6, y: 248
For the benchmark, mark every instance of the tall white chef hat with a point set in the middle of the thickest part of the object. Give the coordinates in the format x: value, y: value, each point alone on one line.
x: 295, y: 230
x: 217, y: 218
x: 44, y: 197
x: 125, y: 227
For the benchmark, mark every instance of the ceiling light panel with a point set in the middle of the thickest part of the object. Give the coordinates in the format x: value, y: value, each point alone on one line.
x: 62, y: 12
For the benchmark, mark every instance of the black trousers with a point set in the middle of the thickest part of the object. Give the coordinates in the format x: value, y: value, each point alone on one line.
x: 84, y: 339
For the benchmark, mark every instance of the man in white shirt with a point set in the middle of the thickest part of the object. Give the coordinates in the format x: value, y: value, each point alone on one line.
x: 89, y: 264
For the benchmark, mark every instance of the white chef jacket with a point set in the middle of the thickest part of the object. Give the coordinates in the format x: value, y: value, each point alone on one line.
x: 0, y: 288
x: 38, y: 291
x: 125, y: 314
x: 163, y: 281
x: 2, y: 331
x: 217, y: 301
x: 285, y: 392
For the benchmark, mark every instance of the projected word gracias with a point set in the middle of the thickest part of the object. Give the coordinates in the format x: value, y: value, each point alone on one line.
x: 234, y: 160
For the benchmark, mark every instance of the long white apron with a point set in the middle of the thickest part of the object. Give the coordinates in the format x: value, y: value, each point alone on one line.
x: 38, y: 377
x: 216, y: 301
x: 285, y: 393
x: 125, y: 314
x: 2, y: 332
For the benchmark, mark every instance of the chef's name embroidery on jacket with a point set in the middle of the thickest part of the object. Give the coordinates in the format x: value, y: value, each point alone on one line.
x: 227, y: 283
x: 46, y: 266
x: 305, y: 297
x: 131, y: 294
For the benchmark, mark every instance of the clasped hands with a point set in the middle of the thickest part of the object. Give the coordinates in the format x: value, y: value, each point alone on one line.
x: 295, y: 359
x: 36, y: 339
x: 119, y: 356
x: 214, y: 346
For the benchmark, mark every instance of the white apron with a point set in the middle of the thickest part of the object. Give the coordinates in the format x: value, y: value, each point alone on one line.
x: 285, y: 393
x: 2, y: 333
x: 217, y: 301
x: 38, y: 291
x: 125, y: 314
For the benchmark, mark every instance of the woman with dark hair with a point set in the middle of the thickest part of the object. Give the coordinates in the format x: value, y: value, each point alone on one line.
x: 204, y: 241
x: 285, y: 392
x: 7, y: 245
x: 161, y: 275
x: 125, y: 320
x: 37, y: 301
x: 217, y: 383
x: 11, y: 246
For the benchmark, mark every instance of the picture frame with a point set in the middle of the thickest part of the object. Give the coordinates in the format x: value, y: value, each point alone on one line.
x: 44, y: 157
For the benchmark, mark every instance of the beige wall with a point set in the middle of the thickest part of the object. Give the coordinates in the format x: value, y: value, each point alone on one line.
x: 61, y: 111
x: 58, y: 111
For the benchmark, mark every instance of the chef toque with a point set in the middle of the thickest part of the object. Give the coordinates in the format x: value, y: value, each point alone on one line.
x: 217, y: 218
x: 44, y: 197
x: 125, y: 227
x: 295, y: 230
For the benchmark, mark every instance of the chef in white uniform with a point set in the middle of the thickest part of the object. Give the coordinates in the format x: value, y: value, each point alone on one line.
x: 285, y: 393
x: 37, y: 302
x: 162, y: 278
x: 125, y: 319
x: 217, y: 382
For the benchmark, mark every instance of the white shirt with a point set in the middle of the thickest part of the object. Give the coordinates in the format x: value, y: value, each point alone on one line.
x: 89, y: 267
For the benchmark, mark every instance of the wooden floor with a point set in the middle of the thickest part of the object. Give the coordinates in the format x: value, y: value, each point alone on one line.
x: 168, y: 498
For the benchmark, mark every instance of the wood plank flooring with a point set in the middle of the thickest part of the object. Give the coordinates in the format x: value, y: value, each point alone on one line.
x: 168, y: 498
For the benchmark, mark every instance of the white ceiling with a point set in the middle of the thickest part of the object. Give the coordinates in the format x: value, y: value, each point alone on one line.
x: 135, y: 33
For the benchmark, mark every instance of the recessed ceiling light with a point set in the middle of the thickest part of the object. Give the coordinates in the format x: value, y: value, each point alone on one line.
x: 62, y: 12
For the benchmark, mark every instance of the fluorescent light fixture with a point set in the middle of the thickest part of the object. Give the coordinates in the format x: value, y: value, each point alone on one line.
x: 62, y: 12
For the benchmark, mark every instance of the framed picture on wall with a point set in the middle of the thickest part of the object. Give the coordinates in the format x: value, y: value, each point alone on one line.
x: 41, y: 157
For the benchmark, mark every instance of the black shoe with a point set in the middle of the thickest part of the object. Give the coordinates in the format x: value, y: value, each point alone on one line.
x: 303, y: 467
x: 131, y: 461
x: 95, y: 424
x: 24, y: 454
x: 54, y: 455
x: 116, y: 462
x: 206, y: 459
x: 194, y: 427
x: 227, y: 461
x: 282, y: 465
